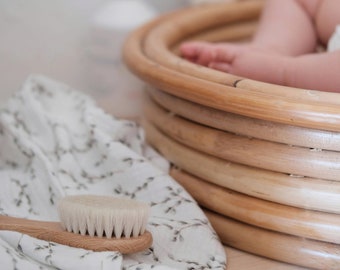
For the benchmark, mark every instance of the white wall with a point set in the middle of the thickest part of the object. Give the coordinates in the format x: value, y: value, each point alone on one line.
x: 50, y: 37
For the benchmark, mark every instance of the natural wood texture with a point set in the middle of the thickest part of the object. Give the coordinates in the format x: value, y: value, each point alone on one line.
x: 312, y: 109
x: 277, y: 246
x: 276, y: 217
x: 238, y: 22
x: 250, y: 127
x: 240, y: 149
x: 163, y: 37
x: 240, y: 260
x: 52, y: 231
x: 162, y: 41
x: 268, y: 128
x: 168, y: 55
x: 307, y: 193
x: 180, y: 24
x: 235, y: 32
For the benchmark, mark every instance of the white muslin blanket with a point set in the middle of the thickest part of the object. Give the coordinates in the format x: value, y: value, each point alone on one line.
x: 54, y: 142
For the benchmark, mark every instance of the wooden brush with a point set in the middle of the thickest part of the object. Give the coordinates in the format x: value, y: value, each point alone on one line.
x: 99, y: 223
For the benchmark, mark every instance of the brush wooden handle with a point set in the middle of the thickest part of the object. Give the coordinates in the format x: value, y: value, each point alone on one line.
x: 240, y: 149
x: 52, y: 231
x: 277, y: 246
x: 238, y: 124
x: 304, y: 192
x: 273, y: 216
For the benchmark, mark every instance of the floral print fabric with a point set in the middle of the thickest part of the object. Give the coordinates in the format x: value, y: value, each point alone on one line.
x: 54, y: 141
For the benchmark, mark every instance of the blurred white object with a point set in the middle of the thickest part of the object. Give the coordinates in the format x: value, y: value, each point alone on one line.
x: 120, y: 92
x: 334, y: 42
x: 123, y: 14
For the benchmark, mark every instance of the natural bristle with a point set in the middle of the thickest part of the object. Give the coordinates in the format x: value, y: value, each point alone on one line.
x: 103, y: 216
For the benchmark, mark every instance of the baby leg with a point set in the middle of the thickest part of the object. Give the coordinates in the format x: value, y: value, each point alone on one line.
x: 267, y: 67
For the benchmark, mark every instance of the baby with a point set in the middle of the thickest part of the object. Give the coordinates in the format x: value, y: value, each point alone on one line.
x: 283, y: 50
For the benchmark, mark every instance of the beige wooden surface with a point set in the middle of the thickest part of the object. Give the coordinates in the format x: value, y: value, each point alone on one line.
x: 239, y: 260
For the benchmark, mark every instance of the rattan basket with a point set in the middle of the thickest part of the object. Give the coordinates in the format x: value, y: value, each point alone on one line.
x: 263, y: 159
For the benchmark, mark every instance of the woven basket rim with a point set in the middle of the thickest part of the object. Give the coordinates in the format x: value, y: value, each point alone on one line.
x: 293, y: 106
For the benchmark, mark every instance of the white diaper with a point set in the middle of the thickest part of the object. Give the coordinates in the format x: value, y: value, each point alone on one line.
x: 334, y: 41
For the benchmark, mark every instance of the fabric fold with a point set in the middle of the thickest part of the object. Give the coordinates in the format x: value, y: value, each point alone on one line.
x: 55, y: 142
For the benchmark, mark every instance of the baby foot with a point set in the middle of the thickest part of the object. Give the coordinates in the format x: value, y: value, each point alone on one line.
x: 218, y: 56
x: 244, y: 60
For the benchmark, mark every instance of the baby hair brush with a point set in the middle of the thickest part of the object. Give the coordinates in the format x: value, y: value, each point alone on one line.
x: 99, y: 223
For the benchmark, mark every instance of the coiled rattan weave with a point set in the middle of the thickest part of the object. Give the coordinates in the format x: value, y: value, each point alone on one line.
x: 263, y: 159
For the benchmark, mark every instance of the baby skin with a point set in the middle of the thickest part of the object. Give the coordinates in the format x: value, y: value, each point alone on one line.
x: 283, y: 49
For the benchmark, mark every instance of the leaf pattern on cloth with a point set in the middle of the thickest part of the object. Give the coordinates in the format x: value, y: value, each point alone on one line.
x: 54, y: 141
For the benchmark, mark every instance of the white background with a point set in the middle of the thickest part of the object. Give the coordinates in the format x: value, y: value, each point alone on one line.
x: 52, y: 37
